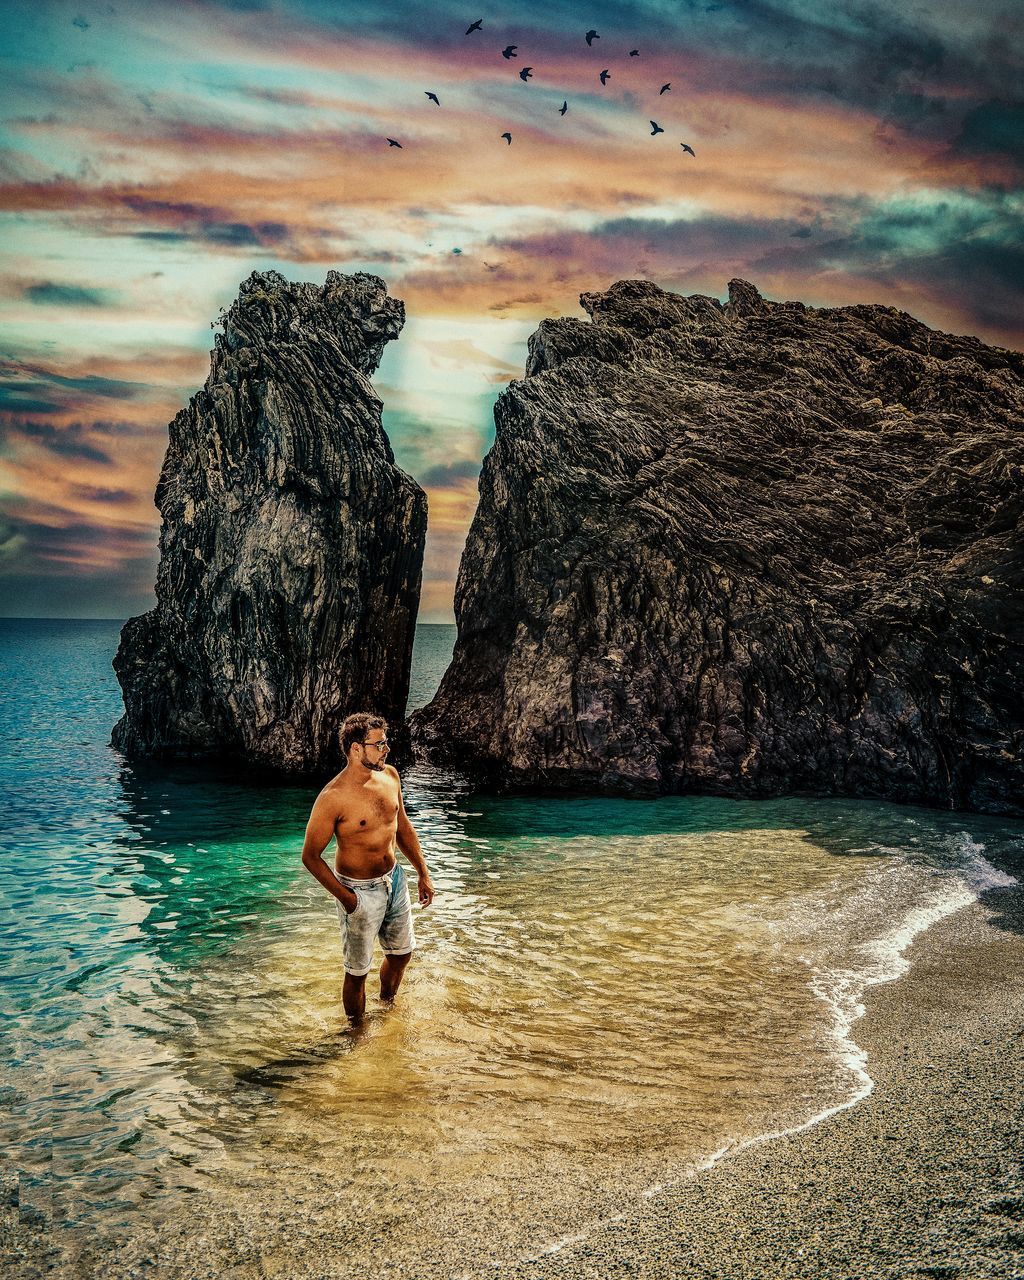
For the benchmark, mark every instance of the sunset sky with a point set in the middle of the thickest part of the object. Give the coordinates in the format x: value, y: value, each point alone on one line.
x: 154, y: 154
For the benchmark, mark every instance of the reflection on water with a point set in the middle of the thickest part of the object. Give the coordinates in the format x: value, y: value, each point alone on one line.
x: 606, y: 991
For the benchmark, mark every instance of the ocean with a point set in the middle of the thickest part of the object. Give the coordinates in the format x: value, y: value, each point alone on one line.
x: 607, y: 993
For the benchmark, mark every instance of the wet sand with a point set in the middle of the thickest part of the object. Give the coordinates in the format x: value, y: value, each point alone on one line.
x: 923, y: 1178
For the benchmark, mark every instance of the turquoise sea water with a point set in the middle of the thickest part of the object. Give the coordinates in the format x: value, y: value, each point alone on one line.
x: 606, y: 991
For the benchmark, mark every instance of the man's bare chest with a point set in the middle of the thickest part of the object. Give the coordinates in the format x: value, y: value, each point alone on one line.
x: 366, y: 813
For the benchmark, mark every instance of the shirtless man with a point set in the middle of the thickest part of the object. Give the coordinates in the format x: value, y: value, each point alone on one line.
x: 363, y: 808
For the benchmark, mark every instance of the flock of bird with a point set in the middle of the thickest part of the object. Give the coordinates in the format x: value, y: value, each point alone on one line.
x: 526, y: 74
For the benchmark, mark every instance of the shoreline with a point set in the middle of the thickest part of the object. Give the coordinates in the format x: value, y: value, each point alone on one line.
x: 916, y: 1175
x: 921, y: 1176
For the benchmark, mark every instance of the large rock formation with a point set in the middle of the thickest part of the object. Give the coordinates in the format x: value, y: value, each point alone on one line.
x: 746, y: 549
x: 291, y: 546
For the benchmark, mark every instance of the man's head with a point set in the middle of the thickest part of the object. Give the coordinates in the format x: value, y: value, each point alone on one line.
x: 364, y: 738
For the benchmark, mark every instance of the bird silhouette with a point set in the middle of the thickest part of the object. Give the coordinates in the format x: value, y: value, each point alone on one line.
x: 656, y: 128
x: 508, y: 138
x: 592, y: 36
x: 686, y: 147
x: 634, y: 53
x: 664, y: 88
x: 509, y: 51
x: 563, y: 108
x: 475, y: 27
x: 393, y: 143
x: 605, y: 76
x: 432, y: 96
x: 524, y: 75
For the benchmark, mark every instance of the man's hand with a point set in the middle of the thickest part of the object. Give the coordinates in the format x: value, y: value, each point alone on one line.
x: 426, y: 890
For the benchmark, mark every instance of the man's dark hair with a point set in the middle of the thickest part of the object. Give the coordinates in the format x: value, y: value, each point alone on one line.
x: 357, y: 726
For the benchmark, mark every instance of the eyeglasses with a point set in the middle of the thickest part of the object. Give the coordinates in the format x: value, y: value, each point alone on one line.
x: 381, y: 745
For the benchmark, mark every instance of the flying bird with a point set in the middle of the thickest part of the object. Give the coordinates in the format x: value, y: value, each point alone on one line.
x: 475, y: 27
x: 592, y: 36
x: 393, y: 143
x: 656, y: 128
x: 524, y: 75
x: 634, y: 53
x: 509, y: 51
x: 508, y: 138
x: 664, y: 88
x: 563, y: 108
x: 686, y: 147
x: 605, y: 76
x: 432, y: 96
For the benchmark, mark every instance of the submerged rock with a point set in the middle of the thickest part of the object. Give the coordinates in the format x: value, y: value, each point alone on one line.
x: 746, y: 549
x: 291, y: 547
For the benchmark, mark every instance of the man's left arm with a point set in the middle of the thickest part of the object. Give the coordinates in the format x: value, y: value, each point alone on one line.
x: 409, y: 843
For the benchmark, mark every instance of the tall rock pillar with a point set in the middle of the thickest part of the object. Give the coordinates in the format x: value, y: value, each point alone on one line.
x: 291, y: 548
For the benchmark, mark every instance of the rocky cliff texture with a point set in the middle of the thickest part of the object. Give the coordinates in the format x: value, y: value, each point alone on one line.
x: 746, y: 549
x: 291, y: 546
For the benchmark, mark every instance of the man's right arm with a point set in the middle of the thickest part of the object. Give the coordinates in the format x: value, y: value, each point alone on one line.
x: 319, y: 830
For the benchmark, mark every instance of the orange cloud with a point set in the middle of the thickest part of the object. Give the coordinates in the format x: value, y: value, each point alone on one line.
x: 754, y: 155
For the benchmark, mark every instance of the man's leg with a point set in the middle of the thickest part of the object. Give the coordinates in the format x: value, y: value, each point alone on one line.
x: 397, y: 936
x: 391, y: 974
x: 353, y: 996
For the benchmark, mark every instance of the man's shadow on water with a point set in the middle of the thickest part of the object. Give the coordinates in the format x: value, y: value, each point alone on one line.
x: 281, y: 1072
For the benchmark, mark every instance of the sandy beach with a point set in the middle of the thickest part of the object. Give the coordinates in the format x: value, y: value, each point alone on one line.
x: 924, y: 1177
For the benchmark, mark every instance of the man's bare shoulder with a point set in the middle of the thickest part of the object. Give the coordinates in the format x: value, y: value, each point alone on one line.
x: 333, y: 791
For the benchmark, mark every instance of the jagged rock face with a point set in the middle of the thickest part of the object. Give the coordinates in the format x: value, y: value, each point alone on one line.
x: 746, y: 549
x: 291, y: 546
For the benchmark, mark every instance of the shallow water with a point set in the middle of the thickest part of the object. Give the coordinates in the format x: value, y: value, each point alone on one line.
x: 606, y: 992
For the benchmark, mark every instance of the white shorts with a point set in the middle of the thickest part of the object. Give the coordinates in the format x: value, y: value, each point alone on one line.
x: 383, y: 910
